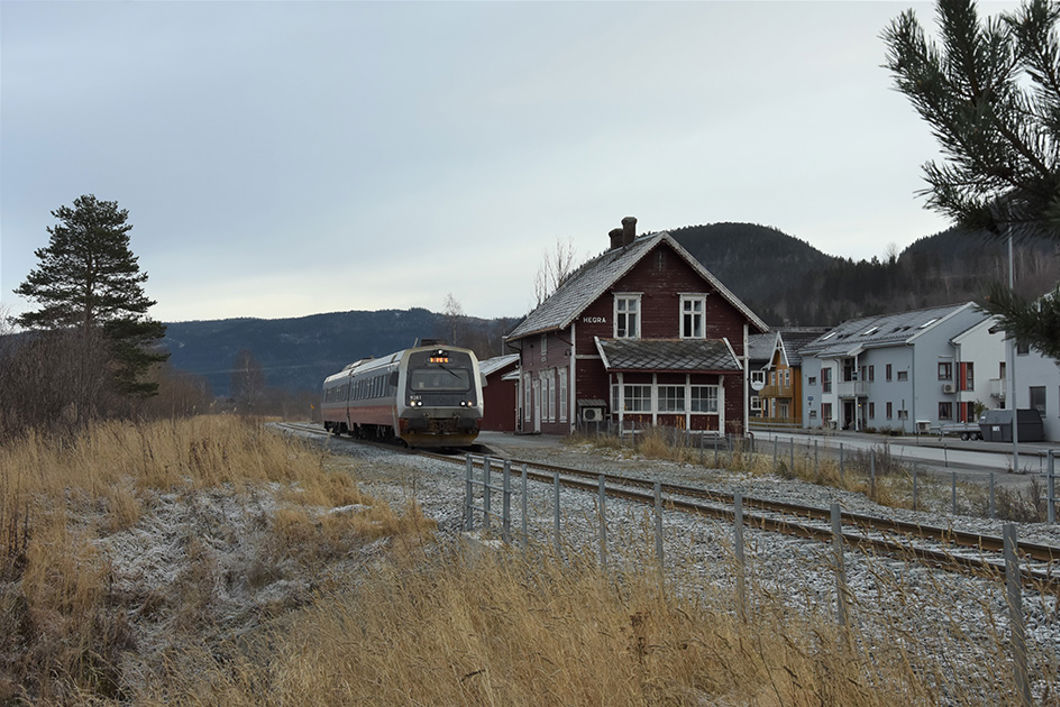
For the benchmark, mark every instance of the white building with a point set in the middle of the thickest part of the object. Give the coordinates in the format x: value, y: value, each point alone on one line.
x: 908, y: 371
x: 1038, y: 386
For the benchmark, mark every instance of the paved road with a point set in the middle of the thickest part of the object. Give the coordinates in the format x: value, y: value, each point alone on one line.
x: 972, y: 460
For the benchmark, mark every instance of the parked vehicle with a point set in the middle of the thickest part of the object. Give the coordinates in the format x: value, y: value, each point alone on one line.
x: 966, y: 430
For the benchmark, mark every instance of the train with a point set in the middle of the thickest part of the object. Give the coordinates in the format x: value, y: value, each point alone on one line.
x: 428, y: 396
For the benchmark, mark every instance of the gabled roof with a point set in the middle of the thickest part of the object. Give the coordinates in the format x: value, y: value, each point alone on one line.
x: 760, y: 347
x: 855, y: 335
x: 593, y: 279
x: 792, y: 340
x: 667, y: 355
x: 492, y: 365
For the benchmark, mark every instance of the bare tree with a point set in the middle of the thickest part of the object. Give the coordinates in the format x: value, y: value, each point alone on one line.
x: 455, y: 321
x: 556, y: 266
x: 247, y: 382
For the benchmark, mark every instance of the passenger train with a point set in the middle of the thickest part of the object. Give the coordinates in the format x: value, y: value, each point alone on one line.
x: 427, y: 396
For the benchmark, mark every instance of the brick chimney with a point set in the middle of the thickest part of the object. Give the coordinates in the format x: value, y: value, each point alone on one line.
x: 629, y: 229
x: 616, y: 238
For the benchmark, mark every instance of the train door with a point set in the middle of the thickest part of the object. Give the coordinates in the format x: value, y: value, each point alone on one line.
x: 537, y: 407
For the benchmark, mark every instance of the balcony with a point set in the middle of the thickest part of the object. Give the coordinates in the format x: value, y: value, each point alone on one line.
x: 777, y: 391
x: 851, y: 389
x: 996, y: 387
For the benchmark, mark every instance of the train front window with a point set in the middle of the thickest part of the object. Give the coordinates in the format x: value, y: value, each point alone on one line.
x: 439, y: 379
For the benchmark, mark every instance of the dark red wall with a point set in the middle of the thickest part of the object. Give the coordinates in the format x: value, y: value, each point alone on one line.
x: 661, y: 277
x: 498, y: 412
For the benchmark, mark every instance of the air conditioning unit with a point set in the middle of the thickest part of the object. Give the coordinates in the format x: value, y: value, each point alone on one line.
x: 949, y: 388
x: 592, y: 414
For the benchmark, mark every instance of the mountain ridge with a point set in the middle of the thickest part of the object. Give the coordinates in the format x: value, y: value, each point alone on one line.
x: 784, y: 279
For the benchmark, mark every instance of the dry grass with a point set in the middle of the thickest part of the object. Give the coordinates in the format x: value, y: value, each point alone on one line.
x: 891, y: 485
x: 290, y: 585
x: 498, y: 628
x: 65, y: 609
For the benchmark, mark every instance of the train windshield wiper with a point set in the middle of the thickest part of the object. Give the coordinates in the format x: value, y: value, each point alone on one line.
x: 449, y: 371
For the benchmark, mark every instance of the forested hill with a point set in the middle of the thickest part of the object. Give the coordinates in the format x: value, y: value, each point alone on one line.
x: 789, y: 282
x: 297, y: 354
x: 755, y: 262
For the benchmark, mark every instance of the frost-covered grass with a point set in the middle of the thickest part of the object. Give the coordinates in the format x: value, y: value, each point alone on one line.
x: 174, y: 529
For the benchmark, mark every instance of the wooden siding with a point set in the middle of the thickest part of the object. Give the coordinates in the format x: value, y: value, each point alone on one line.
x: 660, y: 278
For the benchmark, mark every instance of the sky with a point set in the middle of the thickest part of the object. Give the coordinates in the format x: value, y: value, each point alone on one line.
x: 280, y: 159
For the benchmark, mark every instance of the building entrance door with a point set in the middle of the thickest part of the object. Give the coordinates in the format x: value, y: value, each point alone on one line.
x: 849, y: 413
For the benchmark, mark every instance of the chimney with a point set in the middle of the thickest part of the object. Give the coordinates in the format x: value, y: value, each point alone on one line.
x: 616, y: 238
x: 629, y: 229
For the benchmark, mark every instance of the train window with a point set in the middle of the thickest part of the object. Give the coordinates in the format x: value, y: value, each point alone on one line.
x: 439, y: 379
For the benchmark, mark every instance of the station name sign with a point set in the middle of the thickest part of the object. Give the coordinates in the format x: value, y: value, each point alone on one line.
x: 594, y: 320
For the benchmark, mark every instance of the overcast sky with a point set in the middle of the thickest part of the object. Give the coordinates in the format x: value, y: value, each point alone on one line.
x: 281, y: 159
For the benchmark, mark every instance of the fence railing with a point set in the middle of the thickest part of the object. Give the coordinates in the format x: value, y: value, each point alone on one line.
x: 480, y: 490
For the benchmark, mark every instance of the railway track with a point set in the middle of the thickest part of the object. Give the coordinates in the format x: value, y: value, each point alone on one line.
x: 945, y: 548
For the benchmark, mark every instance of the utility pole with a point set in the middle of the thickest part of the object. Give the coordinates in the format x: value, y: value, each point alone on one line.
x: 1011, y: 350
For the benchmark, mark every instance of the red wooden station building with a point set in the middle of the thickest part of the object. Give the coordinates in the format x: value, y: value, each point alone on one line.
x: 642, y: 334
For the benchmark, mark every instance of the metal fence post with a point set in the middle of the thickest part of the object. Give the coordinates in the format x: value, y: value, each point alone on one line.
x: 953, y: 491
x: 1050, y: 488
x: 506, y: 508
x: 716, y: 452
x: 993, y: 507
x: 792, y: 468
x: 841, y: 462
x: 1015, y: 609
x: 603, y: 523
x: 555, y: 488
x: 840, y: 569
x: 916, y: 473
x: 525, y: 538
x: 486, y: 493
x: 872, y: 473
x: 659, y: 528
x: 815, y: 464
x: 776, y: 444
x: 741, y: 587
x: 469, y: 496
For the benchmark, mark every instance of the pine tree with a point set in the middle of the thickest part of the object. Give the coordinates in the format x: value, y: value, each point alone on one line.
x: 88, y: 283
x: 991, y: 94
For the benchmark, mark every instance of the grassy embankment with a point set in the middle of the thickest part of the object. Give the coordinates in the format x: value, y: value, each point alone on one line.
x: 361, y: 606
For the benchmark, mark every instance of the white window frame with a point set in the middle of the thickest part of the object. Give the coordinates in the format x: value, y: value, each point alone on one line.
x: 698, y: 316
x: 758, y: 376
x: 671, y: 398
x: 631, y: 396
x: 622, y: 314
x: 712, y: 398
x: 563, y: 394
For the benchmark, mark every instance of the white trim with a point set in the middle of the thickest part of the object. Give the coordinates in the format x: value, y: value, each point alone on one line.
x: 683, y: 299
x: 635, y: 296
x: 572, y: 408
x: 654, y: 399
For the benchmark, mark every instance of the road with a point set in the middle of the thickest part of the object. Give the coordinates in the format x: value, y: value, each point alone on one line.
x: 971, y: 460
